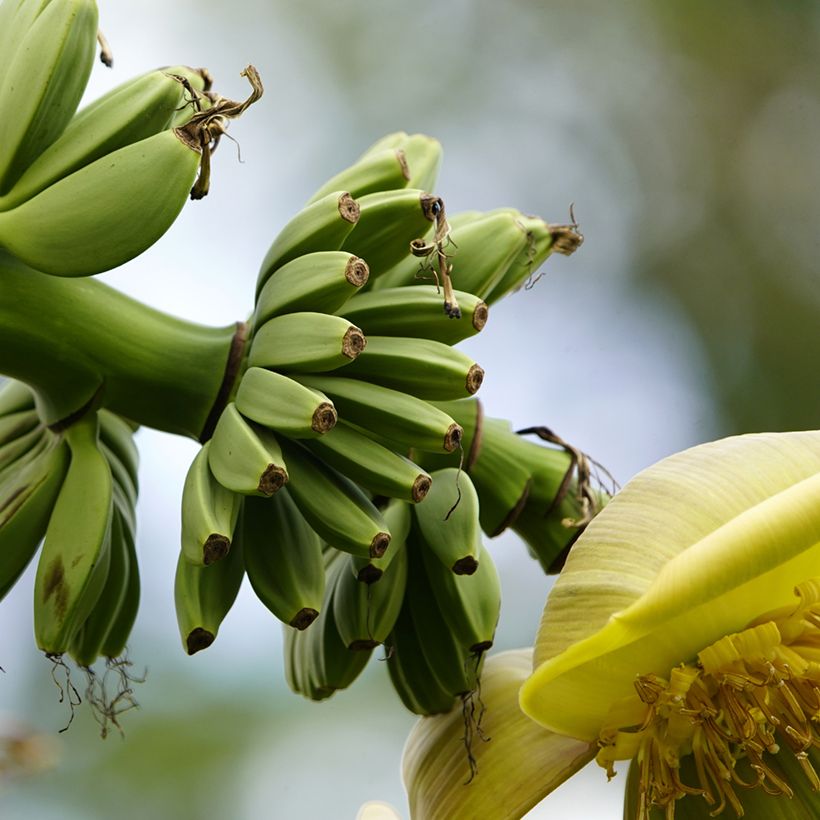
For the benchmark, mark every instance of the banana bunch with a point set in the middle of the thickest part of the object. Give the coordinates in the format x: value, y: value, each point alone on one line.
x: 77, y: 489
x: 82, y: 193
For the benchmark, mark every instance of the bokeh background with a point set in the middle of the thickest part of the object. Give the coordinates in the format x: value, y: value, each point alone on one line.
x: 687, y: 136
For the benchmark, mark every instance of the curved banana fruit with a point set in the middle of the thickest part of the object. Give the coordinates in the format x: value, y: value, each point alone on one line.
x: 378, y: 171
x: 306, y: 342
x: 398, y: 518
x: 415, y: 310
x: 366, y: 613
x: 203, y: 596
x: 246, y: 458
x: 422, y: 155
x: 284, y: 405
x: 321, y: 226
x: 15, y: 425
x: 370, y: 464
x: 388, y: 222
x: 389, y: 413
x: 134, y: 111
x: 15, y: 396
x: 209, y: 513
x: 27, y: 498
x: 108, y: 211
x: 333, y: 505
x: 420, y: 367
x: 73, y: 565
x: 45, y: 80
x: 322, y: 281
x: 283, y: 559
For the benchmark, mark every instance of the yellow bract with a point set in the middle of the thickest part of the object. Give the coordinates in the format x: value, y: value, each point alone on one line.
x: 694, y: 548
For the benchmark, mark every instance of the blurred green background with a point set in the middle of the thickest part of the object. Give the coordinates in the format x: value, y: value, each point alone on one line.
x: 687, y: 136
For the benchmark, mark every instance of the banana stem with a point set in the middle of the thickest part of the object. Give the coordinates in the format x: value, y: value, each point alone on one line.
x: 78, y: 341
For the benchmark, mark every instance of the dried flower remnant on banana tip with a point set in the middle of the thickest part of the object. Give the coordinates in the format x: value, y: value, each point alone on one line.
x: 206, y: 127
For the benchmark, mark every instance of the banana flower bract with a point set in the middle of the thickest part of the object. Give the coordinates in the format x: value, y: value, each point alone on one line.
x: 684, y: 635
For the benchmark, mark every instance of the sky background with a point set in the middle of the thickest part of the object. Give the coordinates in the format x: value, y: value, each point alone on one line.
x: 685, y: 134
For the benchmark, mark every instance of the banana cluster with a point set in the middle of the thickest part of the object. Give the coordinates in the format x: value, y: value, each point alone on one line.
x: 75, y: 490
x: 332, y: 477
x: 84, y: 192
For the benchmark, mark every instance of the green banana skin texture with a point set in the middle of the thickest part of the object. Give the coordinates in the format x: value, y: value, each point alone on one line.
x: 107, y: 212
x: 366, y: 613
x: 389, y: 222
x: 134, y: 111
x: 44, y: 83
x: 398, y: 518
x: 246, y: 458
x: 370, y: 464
x: 283, y: 559
x: 317, y: 663
x: 203, y: 596
x: 286, y: 406
x: 74, y: 561
x: 389, y: 413
x: 321, y: 226
x: 448, y: 521
x: 379, y: 171
x: 483, y: 248
x: 410, y: 673
x: 86, y: 645
x: 26, y: 503
x: 306, y: 342
x: 415, y: 311
x: 119, y: 630
x: 18, y: 446
x: 15, y: 397
x: 470, y: 603
x: 333, y: 505
x: 421, y: 367
x: 209, y: 513
x: 322, y: 281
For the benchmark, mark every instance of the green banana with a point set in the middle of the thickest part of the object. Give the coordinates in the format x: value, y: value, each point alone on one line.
x: 118, y: 436
x: 410, y: 672
x: 122, y: 479
x: 44, y: 82
x: 87, y: 642
x: 283, y: 559
x: 389, y: 413
x: 333, y: 505
x: 284, y: 405
x: 19, y: 440
x: 422, y: 156
x: 366, y: 613
x: 379, y: 171
x: 448, y: 521
x: 549, y: 537
x: 317, y: 663
x: 73, y: 565
x: 17, y: 454
x: 448, y: 660
x: 119, y: 630
x: 322, y: 281
x: 483, y: 247
x: 389, y: 221
x: 131, y: 112
x: 14, y: 397
x: 306, y: 342
x: 398, y: 518
x: 26, y: 502
x: 209, y: 513
x: 108, y: 211
x: 203, y: 595
x: 415, y: 310
x: 420, y: 367
x: 244, y: 457
x: 370, y: 464
x: 470, y: 603
x: 15, y: 425
x: 321, y: 226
